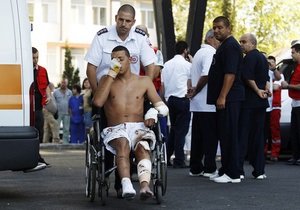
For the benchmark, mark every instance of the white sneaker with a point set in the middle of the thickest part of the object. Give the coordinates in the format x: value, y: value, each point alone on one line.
x: 226, y: 179
x: 200, y: 174
x: 213, y: 177
x: 263, y: 176
x: 208, y: 175
x: 242, y: 176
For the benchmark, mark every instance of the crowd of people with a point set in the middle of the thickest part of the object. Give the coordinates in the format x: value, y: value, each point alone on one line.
x: 231, y: 89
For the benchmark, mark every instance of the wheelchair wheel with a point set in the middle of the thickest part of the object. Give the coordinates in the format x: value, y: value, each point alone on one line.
x: 93, y: 182
x: 103, y: 191
x: 163, y: 168
x: 158, y: 192
x: 93, y: 167
x: 87, y: 169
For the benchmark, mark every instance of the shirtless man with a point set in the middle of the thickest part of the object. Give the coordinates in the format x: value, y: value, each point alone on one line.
x: 122, y: 93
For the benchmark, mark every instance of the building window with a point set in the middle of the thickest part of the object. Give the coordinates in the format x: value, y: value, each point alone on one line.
x: 50, y: 8
x: 78, y: 11
x: 147, y: 15
x: 51, y: 61
x: 99, y: 16
x: 31, y: 11
x: 78, y: 60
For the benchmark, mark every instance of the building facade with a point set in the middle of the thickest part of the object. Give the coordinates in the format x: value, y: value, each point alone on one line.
x: 56, y: 22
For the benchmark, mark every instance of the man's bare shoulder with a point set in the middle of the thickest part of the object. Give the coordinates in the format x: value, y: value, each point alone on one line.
x: 145, y: 79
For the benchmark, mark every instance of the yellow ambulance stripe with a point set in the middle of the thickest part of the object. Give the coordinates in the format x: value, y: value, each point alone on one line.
x: 10, y: 86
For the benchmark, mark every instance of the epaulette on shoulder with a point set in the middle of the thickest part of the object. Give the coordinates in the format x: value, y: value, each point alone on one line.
x: 140, y: 31
x: 102, y: 31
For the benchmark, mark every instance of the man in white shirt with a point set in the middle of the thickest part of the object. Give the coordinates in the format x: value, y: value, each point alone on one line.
x: 204, y: 128
x: 135, y: 40
x: 174, y: 88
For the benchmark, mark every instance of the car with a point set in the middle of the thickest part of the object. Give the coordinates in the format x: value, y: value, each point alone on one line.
x: 286, y: 66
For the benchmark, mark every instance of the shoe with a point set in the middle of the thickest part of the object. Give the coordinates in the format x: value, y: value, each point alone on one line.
x: 273, y: 159
x: 183, y: 165
x: 226, y: 179
x: 260, y: 177
x: 207, y: 175
x: 213, y: 177
x: 242, y: 177
x: 291, y: 161
x: 199, y: 174
x: 298, y: 162
x: 41, y: 160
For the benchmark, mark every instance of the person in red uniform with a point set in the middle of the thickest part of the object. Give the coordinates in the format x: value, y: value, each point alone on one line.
x: 294, y: 92
x: 42, y: 97
x: 275, y: 114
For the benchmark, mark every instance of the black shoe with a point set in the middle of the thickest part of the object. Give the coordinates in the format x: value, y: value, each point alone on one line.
x: 291, y: 161
x: 298, y: 162
x: 41, y: 160
x: 272, y: 160
x: 183, y: 165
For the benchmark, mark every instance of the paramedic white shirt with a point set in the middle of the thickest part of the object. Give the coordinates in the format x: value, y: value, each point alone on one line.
x: 99, y: 53
x: 200, y: 67
x: 175, y: 75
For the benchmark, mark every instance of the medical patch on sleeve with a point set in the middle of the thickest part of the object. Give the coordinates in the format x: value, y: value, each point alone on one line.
x: 140, y: 31
x: 102, y: 31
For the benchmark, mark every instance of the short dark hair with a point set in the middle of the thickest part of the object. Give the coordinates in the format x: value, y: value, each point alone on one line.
x: 121, y: 48
x: 77, y: 87
x: 297, y: 47
x: 180, y: 46
x: 128, y: 9
x: 34, y: 50
x: 223, y: 19
x: 270, y: 57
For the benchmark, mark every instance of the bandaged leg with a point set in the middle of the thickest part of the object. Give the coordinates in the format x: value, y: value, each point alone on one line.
x: 144, y: 170
x: 144, y: 174
x: 127, y: 188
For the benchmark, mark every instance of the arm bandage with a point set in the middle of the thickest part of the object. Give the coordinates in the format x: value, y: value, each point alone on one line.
x: 151, y: 114
x: 161, y: 108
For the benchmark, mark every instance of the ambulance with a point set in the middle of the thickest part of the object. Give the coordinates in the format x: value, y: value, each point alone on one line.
x: 19, y: 144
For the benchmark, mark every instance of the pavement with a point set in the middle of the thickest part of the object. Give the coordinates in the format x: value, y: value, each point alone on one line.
x: 63, y: 187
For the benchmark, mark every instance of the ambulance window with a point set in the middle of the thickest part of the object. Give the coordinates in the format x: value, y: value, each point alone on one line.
x: 8, y: 34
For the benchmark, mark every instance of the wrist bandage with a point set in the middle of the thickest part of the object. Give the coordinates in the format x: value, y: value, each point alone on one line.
x: 144, y: 170
x: 112, y: 73
x: 151, y: 114
x: 161, y: 108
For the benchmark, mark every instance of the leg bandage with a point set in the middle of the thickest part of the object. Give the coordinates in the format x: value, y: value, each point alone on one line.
x: 144, y: 170
x: 145, y: 144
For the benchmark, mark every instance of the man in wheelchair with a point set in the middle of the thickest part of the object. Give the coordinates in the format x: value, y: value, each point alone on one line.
x: 122, y: 95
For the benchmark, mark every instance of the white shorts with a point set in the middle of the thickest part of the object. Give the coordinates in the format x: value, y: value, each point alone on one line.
x: 132, y: 131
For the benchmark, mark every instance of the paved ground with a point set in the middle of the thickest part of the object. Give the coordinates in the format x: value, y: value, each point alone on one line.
x: 63, y: 187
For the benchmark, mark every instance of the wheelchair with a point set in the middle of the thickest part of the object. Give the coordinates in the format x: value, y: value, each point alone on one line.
x: 95, y: 163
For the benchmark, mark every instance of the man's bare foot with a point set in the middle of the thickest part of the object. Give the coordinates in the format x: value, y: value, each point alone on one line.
x: 145, y: 193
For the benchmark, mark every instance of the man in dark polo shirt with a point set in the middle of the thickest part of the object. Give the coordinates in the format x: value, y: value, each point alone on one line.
x: 226, y: 92
x: 255, y: 76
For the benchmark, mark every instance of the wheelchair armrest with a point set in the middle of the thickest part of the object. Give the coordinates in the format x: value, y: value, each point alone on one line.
x: 96, y: 117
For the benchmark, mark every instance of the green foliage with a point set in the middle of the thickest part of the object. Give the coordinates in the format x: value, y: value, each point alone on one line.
x: 274, y: 22
x: 69, y: 72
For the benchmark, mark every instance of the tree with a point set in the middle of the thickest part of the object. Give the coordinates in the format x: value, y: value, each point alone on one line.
x: 274, y: 22
x: 69, y: 73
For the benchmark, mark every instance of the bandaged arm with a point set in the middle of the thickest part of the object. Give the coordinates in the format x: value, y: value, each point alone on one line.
x: 160, y: 108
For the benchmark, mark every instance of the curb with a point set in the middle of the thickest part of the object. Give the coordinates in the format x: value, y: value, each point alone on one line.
x: 54, y: 146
